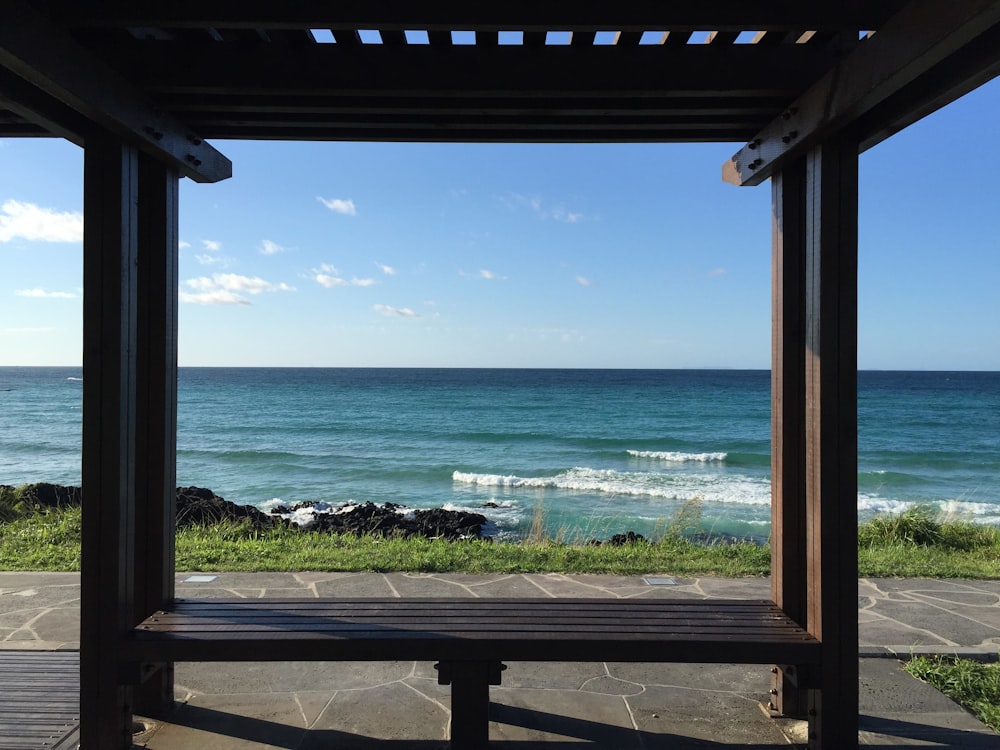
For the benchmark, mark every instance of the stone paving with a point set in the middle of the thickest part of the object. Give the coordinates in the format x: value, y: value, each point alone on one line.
x: 352, y: 705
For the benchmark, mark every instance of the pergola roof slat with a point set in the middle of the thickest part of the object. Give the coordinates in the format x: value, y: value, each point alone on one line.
x: 524, y: 15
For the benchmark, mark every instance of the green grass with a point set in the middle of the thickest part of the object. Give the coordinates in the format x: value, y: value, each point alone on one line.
x: 974, y: 685
x: 913, y: 545
x: 919, y: 544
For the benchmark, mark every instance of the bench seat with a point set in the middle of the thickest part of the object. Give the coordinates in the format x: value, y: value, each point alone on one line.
x: 390, y: 629
x: 469, y: 637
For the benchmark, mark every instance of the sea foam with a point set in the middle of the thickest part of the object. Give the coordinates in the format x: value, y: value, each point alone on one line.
x: 710, y: 488
x: 678, y: 457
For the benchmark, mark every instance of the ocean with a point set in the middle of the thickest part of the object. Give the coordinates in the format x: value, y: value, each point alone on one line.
x: 589, y: 452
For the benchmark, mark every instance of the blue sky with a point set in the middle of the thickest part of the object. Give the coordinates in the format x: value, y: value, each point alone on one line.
x: 336, y: 254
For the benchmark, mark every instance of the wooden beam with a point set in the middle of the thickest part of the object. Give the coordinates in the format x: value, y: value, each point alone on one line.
x: 110, y: 322
x: 788, y: 420
x: 526, y: 15
x: 909, y: 47
x: 219, y: 104
x: 26, y: 101
x: 50, y: 59
x: 831, y: 460
x: 156, y: 411
x: 459, y: 71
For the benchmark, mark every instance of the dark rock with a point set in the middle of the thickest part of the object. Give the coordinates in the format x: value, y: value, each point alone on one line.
x: 197, y: 506
x: 629, y: 537
x: 385, y: 520
x: 43, y: 495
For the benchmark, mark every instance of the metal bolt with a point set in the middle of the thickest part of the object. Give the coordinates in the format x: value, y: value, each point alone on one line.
x: 195, y: 140
x: 774, y: 670
x: 753, y: 144
x: 773, y: 691
x: 755, y: 163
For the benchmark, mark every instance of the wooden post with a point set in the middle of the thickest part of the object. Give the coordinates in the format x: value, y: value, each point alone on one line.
x: 831, y: 460
x: 109, y: 437
x: 470, y: 705
x: 788, y: 535
x: 156, y: 404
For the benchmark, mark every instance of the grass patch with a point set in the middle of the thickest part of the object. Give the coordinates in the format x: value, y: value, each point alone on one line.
x: 918, y: 543
x: 973, y: 685
x: 915, y: 546
x: 41, y: 540
x: 241, y: 549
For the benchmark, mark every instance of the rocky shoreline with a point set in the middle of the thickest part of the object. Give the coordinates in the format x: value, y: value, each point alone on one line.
x: 197, y: 506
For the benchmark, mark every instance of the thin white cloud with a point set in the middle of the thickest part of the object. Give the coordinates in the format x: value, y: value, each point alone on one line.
x: 717, y: 272
x: 542, y: 210
x: 228, y: 288
x: 395, y: 312
x: 208, y: 260
x: 27, y: 221
x: 183, y: 244
x: 329, y: 281
x: 213, y: 246
x: 43, y: 294
x: 217, y: 297
x: 343, y: 206
x: 267, y: 247
x: 584, y: 281
x: 489, y: 275
x: 327, y: 275
x: 387, y: 270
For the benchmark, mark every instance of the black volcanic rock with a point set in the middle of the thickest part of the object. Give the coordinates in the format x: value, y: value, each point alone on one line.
x: 197, y: 506
x: 386, y: 520
x: 43, y: 495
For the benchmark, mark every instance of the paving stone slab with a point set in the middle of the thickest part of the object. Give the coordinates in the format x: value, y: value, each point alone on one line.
x: 232, y: 722
x: 710, y: 717
x: 389, y: 712
x: 561, y: 716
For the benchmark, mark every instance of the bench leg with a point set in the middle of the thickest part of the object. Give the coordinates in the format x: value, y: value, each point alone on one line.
x: 470, y: 700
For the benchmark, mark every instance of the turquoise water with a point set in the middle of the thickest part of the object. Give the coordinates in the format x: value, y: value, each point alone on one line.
x: 598, y: 451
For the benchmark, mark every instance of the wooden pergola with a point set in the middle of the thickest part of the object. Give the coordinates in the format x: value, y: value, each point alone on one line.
x: 804, y: 86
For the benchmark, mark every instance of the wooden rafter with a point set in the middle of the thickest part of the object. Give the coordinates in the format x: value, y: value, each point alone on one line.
x: 915, y: 44
x: 48, y: 58
x: 527, y: 15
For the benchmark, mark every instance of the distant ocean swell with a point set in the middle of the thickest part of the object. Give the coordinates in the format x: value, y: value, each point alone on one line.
x: 595, y: 450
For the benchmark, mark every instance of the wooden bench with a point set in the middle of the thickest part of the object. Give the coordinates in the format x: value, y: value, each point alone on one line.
x: 470, y: 638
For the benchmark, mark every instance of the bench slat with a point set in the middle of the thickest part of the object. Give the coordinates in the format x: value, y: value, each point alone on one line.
x: 471, y: 629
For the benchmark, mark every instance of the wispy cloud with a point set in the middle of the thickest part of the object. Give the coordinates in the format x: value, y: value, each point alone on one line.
x: 183, y: 244
x: 395, y: 312
x: 43, y: 294
x: 213, y: 246
x: 27, y: 221
x: 328, y: 276
x: 339, y: 205
x: 209, y: 260
x: 542, y: 210
x: 387, y: 270
x: 584, y: 281
x: 717, y: 272
x: 267, y: 247
x: 489, y: 275
x: 228, y: 288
